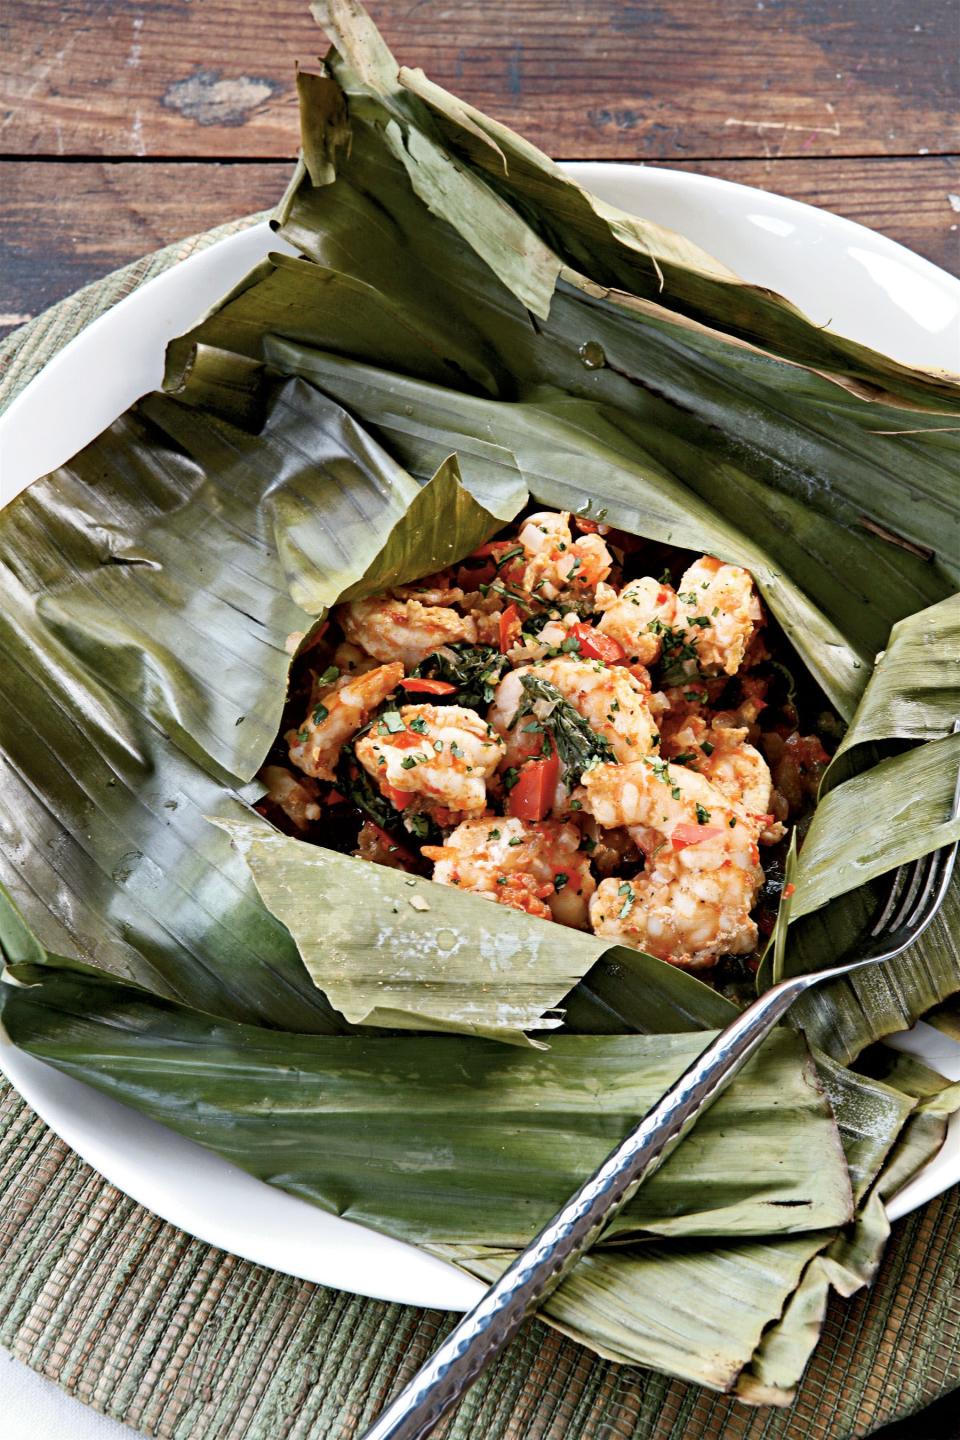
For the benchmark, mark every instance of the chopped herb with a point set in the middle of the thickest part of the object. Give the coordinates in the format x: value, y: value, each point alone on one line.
x: 654, y: 741
x: 320, y: 713
x: 700, y: 620
x: 626, y: 889
x: 393, y: 721
x: 715, y: 610
x: 493, y: 834
x: 659, y: 768
x: 666, y: 578
x: 577, y: 744
x: 474, y: 669
x: 559, y: 880
x: 438, y: 746
x: 408, y: 762
x: 510, y: 777
x: 510, y: 554
x: 533, y: 727
x: 517, y: 840
x: 331, y: 673
x: 455, y: 750
x: 589, y: 844
x: 732, y: 822
x: 418, y: 825
x: 570, y: 645
x: 706, y: 747
x: 303, y: 736
x: 576, y: 805
x: 689, y: 599
x: 501, y: 879
x: 418, y: 724
x: 703, y: 815
x: 675, y: 792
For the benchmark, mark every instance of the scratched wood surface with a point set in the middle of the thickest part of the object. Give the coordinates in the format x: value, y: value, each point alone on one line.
x: 128, y: 125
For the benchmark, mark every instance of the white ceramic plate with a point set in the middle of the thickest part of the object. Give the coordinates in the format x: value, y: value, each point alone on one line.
x: 862, y: 284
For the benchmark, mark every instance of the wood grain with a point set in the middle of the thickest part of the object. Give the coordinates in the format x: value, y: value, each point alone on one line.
x: 659, y: 79
x: 64, y: 224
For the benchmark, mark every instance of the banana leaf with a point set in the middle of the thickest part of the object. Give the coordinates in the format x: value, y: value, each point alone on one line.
x: 447, y: 304
x: 455, y: 1141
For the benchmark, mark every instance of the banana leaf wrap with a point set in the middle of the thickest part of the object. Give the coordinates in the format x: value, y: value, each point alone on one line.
x: 465, y: 327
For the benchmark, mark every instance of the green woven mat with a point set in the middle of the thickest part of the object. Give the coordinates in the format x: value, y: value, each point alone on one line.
x: 182, y: 1340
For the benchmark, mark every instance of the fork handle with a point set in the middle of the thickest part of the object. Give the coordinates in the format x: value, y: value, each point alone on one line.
x: 491, y: 1324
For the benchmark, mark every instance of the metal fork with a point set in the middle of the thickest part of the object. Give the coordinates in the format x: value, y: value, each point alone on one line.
x: 917, y: 892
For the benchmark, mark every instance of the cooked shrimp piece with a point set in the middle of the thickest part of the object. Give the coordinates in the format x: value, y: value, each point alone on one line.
x: 638, y: 616
x: 654, y: 795
x: 512, y: 860
x: 719, y: 605
x: 736, y: 769
x: 295, y: 796
x: 403, y: 629
x: 337, y: 712
x: 609, y: 698
x: 443, y: 754
x: 556, y: 562
x: 437, y: 589
x: 689, y: 916
x: 351, y: 660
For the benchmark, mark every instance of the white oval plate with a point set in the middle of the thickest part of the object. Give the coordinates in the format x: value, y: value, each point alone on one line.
x: 862, y: 284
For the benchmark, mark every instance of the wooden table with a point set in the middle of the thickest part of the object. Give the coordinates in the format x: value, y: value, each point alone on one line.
x: 128, y: 125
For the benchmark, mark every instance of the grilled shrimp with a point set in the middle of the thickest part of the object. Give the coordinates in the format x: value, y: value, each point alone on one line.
x: 336, y: 713
x: 403, y: 629
x: 720, y: 607
x: 442, y: 754
x: 689, y: 916
x: 637, y: 616
x: 535, y: 867
x: 736, y: 769
x: 556, y: 562
x: 296, y: 797
x: 610, y: 699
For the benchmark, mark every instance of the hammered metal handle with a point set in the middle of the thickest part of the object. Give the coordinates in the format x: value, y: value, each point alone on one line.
x: 493, y: 1322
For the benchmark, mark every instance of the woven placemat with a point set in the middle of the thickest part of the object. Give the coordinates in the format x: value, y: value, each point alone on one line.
x: 181, y: 1340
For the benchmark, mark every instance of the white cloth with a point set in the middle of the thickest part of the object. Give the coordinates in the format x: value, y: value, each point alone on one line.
x: 34, y: 1408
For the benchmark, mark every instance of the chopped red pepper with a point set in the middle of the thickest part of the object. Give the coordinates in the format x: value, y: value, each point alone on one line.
x: 509, y: 628
x: 400, y: 799
x: 335, y: 798
x: 416, y: 686
x: 532, y: 796
x: 596, y: 646
x: 685, y: 835
x: 405, y: 740
x: 788, y: 890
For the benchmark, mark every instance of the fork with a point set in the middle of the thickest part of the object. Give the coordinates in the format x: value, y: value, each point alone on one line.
x: 916, y: 894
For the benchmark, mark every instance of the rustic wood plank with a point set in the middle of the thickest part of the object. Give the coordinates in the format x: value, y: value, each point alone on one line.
x: 660, y: 79
x: 65, y: 224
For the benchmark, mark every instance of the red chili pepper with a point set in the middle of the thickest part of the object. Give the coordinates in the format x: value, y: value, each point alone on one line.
x: 509, y: 626
x: 788, y: 890
x: 400, y: 799
x: 585, y: 526
x: 596, y: 646
x: 685, y: 835
x: 417, y: 686
x: 532, y: 796
x: 335, y: 798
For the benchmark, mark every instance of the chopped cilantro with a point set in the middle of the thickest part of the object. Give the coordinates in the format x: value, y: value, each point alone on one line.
x: 559, y: 880
x: 331, y: 673
x: 706, y: 747
x: 320, y: 713
x: 703, y: 815
x: 393, y: 721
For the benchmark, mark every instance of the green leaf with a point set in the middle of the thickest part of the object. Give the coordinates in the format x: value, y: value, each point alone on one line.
x: 450, y: 1140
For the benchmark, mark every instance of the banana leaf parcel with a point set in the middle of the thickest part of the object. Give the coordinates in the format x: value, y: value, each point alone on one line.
x: 464, y: 328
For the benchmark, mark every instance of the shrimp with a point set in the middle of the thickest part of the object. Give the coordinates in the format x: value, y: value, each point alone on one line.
x: 736, y: 769
x: 336, y: 713
x: 638, y: 616
x: 652, y: 795
x: 437, y: 589
x: 610, y: 699
x: 403, y: 629
x: 297, y: 798
x: 443, y: 754
x: 689, y: 916
x: 719, y: 602
x: 514, y: 860
x: 556, y: 562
